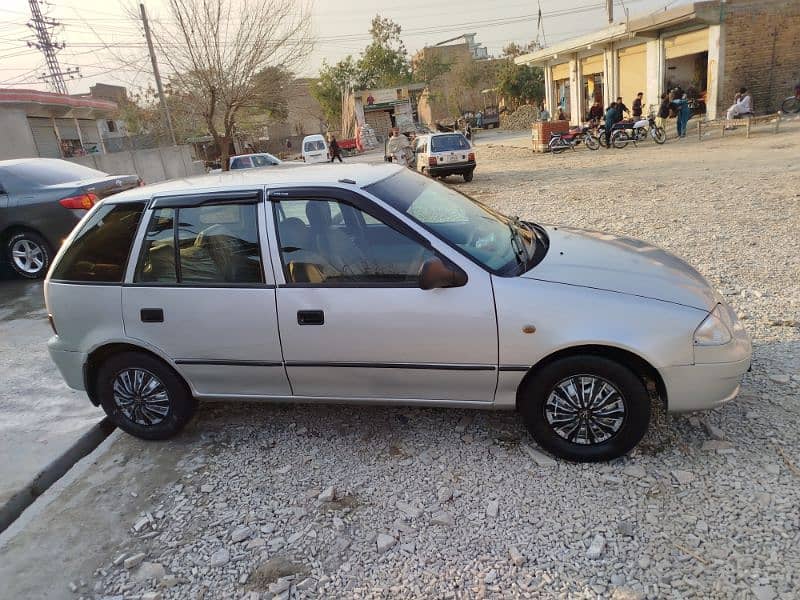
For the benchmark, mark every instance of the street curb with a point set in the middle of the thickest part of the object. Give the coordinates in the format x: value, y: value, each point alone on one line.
x: 90, y: 440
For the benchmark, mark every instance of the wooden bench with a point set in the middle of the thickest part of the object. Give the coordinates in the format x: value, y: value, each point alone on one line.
x: 747, y: 122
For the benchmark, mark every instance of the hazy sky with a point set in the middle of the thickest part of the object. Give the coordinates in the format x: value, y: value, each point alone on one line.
x: 108, y: 46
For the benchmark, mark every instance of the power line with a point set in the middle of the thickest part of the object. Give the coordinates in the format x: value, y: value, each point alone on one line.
x: 44, y: 26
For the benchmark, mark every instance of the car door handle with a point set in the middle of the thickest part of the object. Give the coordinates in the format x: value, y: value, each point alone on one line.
x: 152, y: 315
x: 310, y: 317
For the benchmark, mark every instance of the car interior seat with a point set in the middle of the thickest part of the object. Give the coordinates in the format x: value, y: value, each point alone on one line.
x: 333, y: 242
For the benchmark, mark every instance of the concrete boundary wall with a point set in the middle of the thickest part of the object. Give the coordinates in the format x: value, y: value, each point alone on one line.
x: 157, y: 164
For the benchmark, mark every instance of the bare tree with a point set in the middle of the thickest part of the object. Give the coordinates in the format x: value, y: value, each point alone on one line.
x: 219, y: 50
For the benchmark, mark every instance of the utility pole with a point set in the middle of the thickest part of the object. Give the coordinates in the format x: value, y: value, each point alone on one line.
x: 157, y: 75
x: 610, y: 11
x: 44, y: 43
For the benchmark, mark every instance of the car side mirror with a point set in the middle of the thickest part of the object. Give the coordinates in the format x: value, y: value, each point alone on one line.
x: 435, y: 273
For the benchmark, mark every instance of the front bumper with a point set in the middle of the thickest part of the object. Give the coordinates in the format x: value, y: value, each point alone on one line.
x: 69, y: 363
x: 703, y: 386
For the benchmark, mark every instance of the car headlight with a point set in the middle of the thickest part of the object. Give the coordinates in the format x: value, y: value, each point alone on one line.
x: 715, y: 330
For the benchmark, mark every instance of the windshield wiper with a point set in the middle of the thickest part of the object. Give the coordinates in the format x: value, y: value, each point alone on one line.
x: 517, y: 243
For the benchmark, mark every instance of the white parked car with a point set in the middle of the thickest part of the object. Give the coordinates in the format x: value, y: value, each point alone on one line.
x: 443, y: 154
x: 253, y: 161
x: 373, y: 284
x: 314, y: 149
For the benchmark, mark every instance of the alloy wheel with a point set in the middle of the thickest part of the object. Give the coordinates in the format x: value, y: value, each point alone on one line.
x: 28, y: 256
x: 585, y: 409
x: 141, y: 396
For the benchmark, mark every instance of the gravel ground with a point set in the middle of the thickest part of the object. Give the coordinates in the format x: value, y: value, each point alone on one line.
x: 335, y: 502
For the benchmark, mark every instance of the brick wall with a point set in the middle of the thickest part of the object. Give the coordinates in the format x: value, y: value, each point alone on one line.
x: 380, y: 121
x: 762, y: 52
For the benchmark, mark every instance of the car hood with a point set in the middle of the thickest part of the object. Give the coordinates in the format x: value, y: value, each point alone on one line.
x: 610, y: 262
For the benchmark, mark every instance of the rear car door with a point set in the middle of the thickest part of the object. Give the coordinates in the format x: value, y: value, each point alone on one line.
x: 354, y: 321
x: 200, y: 293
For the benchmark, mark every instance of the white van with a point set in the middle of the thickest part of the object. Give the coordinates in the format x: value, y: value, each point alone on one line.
x: 315, y: 149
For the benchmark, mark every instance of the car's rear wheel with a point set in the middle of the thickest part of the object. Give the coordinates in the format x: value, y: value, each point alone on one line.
x: 143, y: 396
x: 585, y: 408
x: 468, y: 176
x: 28, y: 254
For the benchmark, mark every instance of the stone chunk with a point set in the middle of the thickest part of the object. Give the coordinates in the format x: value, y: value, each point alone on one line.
x: 149, y: 570
x: 683, y: 477
x: 384, y: 542
x: 492, y: 508
x: 220, y: 558
x: 134, y: 561
x: 328, y: 494
x: 411, y: 511
x: 517, y: 559
x: 443, y: 517
x: 539, y: 458
x: 596, y: 548
x: 241, y: 533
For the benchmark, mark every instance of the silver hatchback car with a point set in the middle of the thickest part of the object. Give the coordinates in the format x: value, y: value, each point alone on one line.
x: 373, y: 284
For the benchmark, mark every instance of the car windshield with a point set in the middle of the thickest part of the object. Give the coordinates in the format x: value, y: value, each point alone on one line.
x: 50, y: 172
x: 264, y: 160
x: 446, y: 143
x: 504, y: 246
x: 314, y: 145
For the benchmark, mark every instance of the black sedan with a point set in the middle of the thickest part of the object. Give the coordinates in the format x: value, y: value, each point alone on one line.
x: 41, y: 200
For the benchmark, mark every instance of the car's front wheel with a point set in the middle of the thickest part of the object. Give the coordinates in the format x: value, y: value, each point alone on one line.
x: 585, y: 408
x: 143, y: 396
x: 28, y: 254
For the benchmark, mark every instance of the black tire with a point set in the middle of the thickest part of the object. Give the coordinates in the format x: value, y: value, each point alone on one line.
x: 791, y: 105
x: 557, y: 146
x: 632, y: 394
x: 592, y: 143
x: 659, y: 135
x: 35, y: 263
x: 620, y: 139
x: 179, y: 405
x: 468, y: 176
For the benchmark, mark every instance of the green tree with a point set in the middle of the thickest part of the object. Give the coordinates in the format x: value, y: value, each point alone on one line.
x: 384, y: 62
x: 428, y: 67
x: 333, y: 79
x: 520, y: 83
x: 513, y: 50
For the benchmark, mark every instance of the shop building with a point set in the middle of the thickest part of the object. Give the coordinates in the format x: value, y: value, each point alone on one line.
x: 708, y: 49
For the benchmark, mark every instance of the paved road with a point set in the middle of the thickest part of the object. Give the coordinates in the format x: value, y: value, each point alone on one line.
x: 40, y: 416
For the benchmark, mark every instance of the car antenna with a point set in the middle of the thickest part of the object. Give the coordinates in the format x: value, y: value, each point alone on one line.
x: 347, y: 181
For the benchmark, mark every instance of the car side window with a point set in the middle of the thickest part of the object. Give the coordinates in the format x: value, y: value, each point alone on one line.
x: 99, y: 252
x: 217, y: 244
x: 359, y: 249
x: 242, y: 162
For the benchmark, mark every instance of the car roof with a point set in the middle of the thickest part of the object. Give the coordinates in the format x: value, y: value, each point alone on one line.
x: 284, y: 175
x: 252, y: 154
x: 314, y: 136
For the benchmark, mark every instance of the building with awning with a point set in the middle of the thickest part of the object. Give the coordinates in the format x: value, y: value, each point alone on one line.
x: 708, y: 49
x: 36, y: 123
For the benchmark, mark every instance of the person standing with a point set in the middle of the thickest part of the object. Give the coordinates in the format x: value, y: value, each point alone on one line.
x: 682, y: 106
x: 663, y: 112
x: 636, y: 107
x: 335, y: 151
x: 621, y: 108
x: 611, y: 118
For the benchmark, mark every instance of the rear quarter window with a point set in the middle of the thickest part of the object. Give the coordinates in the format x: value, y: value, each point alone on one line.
x: 100, y: 251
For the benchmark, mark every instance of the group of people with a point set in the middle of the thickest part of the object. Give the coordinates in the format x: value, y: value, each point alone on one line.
x: 615, y: 113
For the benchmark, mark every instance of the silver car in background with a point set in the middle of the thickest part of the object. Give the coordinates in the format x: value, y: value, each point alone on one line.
x: 373, y: 284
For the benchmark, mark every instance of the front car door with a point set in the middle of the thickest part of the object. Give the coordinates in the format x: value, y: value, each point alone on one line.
x: 354, y: 322
x: 200, y: 295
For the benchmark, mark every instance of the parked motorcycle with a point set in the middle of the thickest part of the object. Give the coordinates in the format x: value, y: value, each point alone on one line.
x: 561, y: 141
x: 638, y: 131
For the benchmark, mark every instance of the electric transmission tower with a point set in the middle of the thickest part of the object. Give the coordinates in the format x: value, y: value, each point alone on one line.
x: 44, y: 28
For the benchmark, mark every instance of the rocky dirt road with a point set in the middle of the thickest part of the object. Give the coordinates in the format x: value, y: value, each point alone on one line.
x: 345, y: 502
